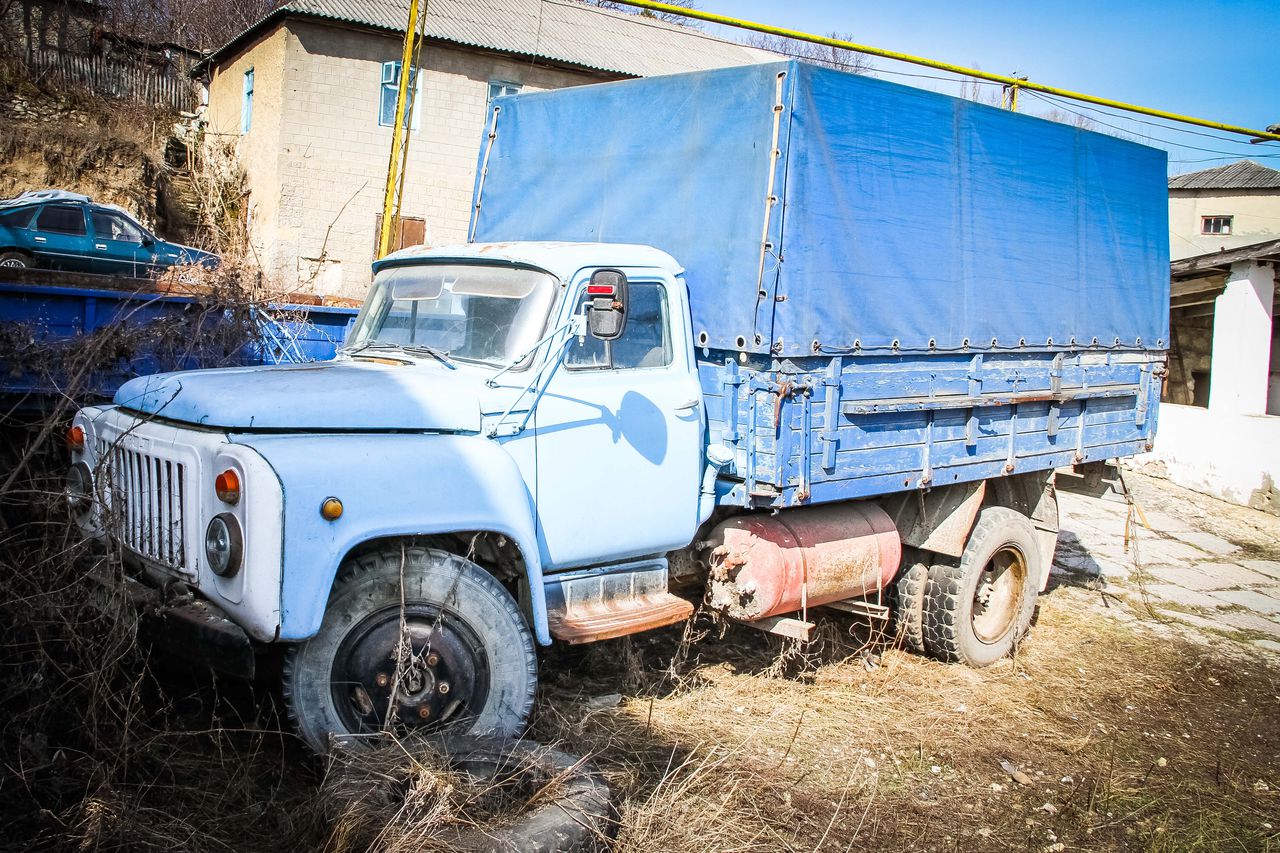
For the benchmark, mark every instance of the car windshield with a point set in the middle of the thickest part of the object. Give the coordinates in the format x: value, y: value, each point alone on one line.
x: 470, y: 312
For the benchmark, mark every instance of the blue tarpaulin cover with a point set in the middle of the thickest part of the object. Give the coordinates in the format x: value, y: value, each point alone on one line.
x: 903, y: 217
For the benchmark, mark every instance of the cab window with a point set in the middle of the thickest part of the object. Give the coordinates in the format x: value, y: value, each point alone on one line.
x: 646, y: 342
x: 61, y: 219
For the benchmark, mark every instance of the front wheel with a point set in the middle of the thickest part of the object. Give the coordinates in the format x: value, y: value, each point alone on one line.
x: 975, y: 611
x: 15, y: 260
x: 449, y: 652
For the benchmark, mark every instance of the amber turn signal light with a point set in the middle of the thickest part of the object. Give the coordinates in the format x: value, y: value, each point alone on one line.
x: 331, y: 509
x: 75, y: 438
x: 228, y: 486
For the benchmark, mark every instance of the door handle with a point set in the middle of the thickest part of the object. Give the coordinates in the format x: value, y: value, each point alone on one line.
x: 100, y: 245
x: 40, y: 239
x: 688, y: 405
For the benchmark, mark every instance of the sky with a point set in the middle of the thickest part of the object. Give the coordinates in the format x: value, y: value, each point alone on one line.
x: 1213, y: 59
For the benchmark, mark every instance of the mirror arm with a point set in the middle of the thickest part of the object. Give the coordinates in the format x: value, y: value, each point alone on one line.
x: 576, y: 326
x: 541, y: 378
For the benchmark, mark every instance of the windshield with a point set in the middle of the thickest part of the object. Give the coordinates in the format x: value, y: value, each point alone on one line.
x: 474, y: 313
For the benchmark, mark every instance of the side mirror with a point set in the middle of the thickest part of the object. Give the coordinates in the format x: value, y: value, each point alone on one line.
x: 148, y: 241
x: 607, y: 304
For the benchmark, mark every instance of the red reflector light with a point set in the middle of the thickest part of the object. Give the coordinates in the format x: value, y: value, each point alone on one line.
x: 601, y: 290
x: 75, y: 438
x: 227, y: 486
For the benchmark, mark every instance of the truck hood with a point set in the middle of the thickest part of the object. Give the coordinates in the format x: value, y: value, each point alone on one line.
x: 333, y: 395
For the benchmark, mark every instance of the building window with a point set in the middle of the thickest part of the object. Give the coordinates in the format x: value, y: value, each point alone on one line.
x: 1215, y: 225
x: 498, y: 88
x: 246, y: 107
x: 391, y: 88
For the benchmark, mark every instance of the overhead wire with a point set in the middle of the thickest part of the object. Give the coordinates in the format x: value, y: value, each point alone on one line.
x: 1063, y: 106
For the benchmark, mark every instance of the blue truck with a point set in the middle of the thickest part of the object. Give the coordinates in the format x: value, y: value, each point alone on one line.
x: 777, y: 337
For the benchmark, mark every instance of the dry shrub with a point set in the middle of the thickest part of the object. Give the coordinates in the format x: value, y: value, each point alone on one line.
x: 397, y: 795
x: 103, y: 746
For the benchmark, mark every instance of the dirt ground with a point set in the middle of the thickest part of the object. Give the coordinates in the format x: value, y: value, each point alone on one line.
x: 1115, y: 727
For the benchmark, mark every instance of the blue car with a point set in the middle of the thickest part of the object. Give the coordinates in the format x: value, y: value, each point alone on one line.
x: 66, y: 231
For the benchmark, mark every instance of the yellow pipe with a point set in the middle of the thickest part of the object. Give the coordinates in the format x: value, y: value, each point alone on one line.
x: 727, y: 21
x: 389, y: 207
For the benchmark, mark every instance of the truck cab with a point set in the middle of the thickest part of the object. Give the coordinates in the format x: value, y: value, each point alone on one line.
x: 472, y: 419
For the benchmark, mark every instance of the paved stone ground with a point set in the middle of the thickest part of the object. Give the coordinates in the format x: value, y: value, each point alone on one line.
x: 1211, y: 566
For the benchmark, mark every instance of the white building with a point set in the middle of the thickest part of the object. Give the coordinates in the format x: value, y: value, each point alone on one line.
x: 306, y: 97
x: 1219, y: 429
x: 1223, y: 208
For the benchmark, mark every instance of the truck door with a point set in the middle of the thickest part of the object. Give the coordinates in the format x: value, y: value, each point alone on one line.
x: 619, y: 436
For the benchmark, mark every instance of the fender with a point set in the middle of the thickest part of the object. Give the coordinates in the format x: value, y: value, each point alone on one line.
x: 389, y: 485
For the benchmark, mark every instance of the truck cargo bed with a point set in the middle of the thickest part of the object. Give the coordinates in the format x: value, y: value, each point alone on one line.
x: 890, y: 288
x: 817, y: 430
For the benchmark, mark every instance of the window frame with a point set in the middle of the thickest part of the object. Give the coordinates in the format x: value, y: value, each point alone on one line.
x: 246, y: 102
x: 143, y: 234
x: 390, y: 84
x: 81, y: 209
x: 580, y: 299
x: 29, y: 211
x: 1219, y: 219
x: 501, y: 86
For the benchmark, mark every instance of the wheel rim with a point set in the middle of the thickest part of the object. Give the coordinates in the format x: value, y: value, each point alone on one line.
x: 997, y: 598
x: 443, y: 682
x: 12, y: 263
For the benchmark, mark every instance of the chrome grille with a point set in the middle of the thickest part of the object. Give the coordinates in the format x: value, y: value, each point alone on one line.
x: 148, y: 502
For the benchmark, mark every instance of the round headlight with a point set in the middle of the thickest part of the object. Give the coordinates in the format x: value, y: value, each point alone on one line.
x: 78, y: 490
x: 224, y: 545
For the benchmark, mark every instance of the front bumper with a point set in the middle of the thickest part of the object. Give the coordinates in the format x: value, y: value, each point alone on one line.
x: 185, y: 626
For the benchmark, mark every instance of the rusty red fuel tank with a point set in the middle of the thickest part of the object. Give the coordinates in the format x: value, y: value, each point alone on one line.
x: 763, y: 565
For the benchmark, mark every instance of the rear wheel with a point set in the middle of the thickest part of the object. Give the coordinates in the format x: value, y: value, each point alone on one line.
x: 908, y: 607
x: 16, y: 260
x: 452, y: 652
x: 976, y: 610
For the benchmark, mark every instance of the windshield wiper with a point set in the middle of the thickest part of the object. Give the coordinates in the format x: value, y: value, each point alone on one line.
x: 418, y: 349
x: 440, y: 355
x: 367, y: 345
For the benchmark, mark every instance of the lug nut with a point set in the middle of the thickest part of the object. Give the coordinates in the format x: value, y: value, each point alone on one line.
x: 424, y: 712
x: 444, y: 687
x: 433, y: 659
x: 382, y: 680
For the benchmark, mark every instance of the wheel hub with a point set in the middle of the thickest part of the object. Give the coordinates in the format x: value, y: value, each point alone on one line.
x: 433, y: 673
x: 997, y: 598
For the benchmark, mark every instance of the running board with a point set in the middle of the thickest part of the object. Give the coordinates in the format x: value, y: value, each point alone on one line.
x: 612, y: 601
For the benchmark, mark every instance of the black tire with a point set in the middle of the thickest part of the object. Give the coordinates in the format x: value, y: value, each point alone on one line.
x: 512, y: 796
x: 473, y: 667
x: 907, y: 610
x: 975, y: 611
x: 16, y: 260
x: 578, y: 815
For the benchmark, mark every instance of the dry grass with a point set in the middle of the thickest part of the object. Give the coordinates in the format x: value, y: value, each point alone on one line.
x: 898, y: 752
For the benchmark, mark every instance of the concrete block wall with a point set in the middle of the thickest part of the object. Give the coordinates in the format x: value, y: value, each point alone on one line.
x: 259, y: 149
x: 332, y: 157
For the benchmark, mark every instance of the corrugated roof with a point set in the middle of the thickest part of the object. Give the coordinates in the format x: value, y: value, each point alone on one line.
x: 1240, y: 175
x: 559, y: 30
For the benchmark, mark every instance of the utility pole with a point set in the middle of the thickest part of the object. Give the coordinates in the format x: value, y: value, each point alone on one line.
x: 398, y: 160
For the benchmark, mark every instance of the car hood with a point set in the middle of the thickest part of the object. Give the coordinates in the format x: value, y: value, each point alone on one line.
x: 333, y: 395
x: 181, y: 252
